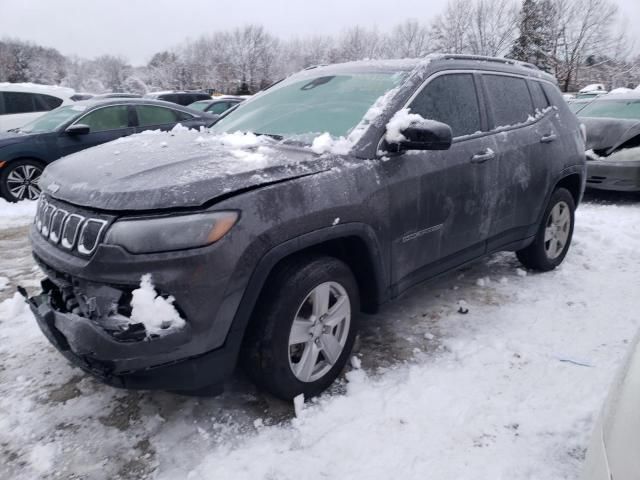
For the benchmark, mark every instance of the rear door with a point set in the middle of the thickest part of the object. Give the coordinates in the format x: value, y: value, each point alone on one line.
x: 440, y: 213
x: 155, y: 117
x: 106, y: 124
x: 522, y: 162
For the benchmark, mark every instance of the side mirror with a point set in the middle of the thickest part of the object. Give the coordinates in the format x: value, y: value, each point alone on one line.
x: 78, y: 129
x: 426, y: 135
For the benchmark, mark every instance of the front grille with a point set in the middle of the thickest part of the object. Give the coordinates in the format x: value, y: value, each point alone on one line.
x: 67, y: 227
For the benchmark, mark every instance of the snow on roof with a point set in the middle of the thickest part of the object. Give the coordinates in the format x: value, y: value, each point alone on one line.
x: 618, y: 91
x: 36, y: 88
x: 594, y: 87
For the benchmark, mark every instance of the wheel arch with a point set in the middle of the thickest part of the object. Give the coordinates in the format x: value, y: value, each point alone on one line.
x: 353, y: 243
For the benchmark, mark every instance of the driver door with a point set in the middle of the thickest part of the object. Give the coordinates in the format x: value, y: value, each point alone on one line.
x: 105, y: 124
x: 442, y: 216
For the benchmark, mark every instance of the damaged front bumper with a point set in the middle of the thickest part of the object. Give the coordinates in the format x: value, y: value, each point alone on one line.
x: 619, y: 176
x: 127, y: 357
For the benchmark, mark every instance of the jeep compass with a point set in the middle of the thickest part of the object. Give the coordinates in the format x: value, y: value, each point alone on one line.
x: 260, y: 241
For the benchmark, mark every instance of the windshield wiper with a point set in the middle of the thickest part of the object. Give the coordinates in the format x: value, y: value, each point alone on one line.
x: 272, y: 135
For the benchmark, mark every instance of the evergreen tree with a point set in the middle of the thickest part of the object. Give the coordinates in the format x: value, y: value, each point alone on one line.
x: 532, y: 45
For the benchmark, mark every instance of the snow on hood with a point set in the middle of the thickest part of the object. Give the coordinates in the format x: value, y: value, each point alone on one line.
x: 187, y: 168
x: 607, y: 134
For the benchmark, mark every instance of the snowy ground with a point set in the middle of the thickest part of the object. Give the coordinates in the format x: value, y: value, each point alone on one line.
x: 507, y: 391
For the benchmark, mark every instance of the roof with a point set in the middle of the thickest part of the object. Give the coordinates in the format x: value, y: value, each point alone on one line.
x: 92, y: 102
x: 618, y: 97
x: 37, y: 88
x: 172, y: 92
x: 452, y: 61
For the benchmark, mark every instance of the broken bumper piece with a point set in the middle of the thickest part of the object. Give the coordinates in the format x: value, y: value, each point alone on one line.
x: 127, y: 358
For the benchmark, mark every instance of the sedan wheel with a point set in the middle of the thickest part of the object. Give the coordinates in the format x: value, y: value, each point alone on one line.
x: 21, y: 182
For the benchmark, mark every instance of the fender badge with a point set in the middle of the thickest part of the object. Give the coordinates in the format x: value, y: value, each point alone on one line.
x: 53, y: 187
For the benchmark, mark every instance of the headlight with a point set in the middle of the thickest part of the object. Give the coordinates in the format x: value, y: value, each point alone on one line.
x: 163, y: 234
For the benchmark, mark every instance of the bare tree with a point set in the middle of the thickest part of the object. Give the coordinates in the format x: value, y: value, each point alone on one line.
x: 409, y: 39
x: 451, y: 28
x: 493, y: 27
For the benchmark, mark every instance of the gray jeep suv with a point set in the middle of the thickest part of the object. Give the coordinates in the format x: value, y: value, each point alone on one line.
x: 324, y: 196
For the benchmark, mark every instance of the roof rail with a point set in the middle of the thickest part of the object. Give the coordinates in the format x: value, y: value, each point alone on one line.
x: 507, y: 61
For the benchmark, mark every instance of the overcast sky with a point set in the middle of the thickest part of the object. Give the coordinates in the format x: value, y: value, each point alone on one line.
x: 136, y: 29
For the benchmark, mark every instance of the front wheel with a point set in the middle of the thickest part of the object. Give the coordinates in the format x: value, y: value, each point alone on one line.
x: 554, y: 235
x: 19, y: 180
x: 303, y: 328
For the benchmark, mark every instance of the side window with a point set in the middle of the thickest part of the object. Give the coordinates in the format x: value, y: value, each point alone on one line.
x: 44, y: 103
x: 107, y: 118
x: 218, y: 108
x: 450, y: 99
x: 539, y: 98
x: 555, y: 97
x: 153, y: 115
x: 18, y: 102
x: 509, y: 99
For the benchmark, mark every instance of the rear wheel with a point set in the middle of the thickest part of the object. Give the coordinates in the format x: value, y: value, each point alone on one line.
x: 303, y: 328
x: 19, y: 180
x: 553, y: 239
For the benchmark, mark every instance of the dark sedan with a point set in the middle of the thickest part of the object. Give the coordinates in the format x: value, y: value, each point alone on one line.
x: 24, y: 152
x: 613, y: 142
x: 216, y: 106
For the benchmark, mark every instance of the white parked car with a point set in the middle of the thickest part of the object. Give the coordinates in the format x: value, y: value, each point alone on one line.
x: 21, y: 103
x: 614, y: 451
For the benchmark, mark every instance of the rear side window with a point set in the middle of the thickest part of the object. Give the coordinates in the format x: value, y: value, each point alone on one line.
x: 539, y: 98
x: 218, y: 108
x: 107, y: 118
x: 44, y: 103
x: 450, y: 99
x: 152, y: 115
x: 509, y: 99
x: 18, y: 102
x: 555, y: 97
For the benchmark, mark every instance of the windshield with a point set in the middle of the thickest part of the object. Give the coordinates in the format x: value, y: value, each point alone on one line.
x: 303, y: 108
x: 612, y: 109
x: 52, y: 120
x: 200, y: 105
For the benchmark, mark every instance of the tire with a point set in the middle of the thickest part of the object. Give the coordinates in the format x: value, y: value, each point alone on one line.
x: 296, y: 291
x: 18, y: 180
x: 554, y: 235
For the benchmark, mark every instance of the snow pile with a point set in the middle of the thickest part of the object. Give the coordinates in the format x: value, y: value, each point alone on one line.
x: 400, y: 121
x: 156, y: 313
x: 17, y: 214
x: 325, y: 143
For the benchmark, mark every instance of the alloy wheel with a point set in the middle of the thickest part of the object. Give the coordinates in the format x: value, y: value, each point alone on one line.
x: 22, y: 182
x: 319, y: 331
x: 557, y: 230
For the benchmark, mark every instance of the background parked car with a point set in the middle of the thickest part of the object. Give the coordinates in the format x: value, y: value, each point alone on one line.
x: 613, y: 142
x: 22, y: 102
x: 118, y: 95
x: 71, y: 128
x: 181, y: 98
x: 613, y: 451
x: 216, y: 106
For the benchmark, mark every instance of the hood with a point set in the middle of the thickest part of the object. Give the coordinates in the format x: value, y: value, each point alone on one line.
x: 9, y: 138
x: 184, y: 168
x: 605, y: 135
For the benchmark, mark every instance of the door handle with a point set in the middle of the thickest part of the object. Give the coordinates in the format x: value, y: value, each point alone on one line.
x: 548, y: 138
x: 488, y: 154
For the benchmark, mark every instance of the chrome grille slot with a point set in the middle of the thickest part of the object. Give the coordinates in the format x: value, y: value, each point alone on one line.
x: 89, y: 235
x: 70, y: 230
x: 57, y: 221
x: 46, y: 219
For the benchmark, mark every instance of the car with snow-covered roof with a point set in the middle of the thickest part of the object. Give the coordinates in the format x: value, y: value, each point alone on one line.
x: 26, y: 151
x: 217, y: 105
x: 21, y: 103
x: 613, y: 141
x: 260, y: 241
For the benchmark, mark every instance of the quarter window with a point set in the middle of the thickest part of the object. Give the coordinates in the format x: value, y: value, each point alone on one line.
x: 44, y: 103
x: 218, y: 108
x: 107, y: 118
x: 509, y: 99
x: 450, y: 99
